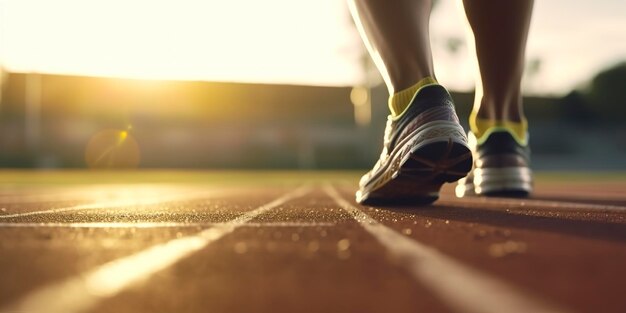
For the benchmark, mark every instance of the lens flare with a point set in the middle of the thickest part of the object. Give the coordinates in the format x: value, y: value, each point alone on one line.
x: 112, y: 148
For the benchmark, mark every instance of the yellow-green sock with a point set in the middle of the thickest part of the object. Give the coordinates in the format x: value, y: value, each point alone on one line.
x: 482, y: 127
x: 399, y: 101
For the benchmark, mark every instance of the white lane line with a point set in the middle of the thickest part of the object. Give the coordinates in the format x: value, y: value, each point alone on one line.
x: 84, y: 291
x: 459, y: 286
x: 539, y: 204
x: 129, y: 200
x: 157, y: 225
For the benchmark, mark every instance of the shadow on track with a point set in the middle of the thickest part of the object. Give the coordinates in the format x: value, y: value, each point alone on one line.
x: 555, y: 224
x: 581, y: 200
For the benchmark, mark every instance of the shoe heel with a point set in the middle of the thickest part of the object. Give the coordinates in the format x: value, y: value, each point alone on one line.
x: 509, y: 181
x: 434, y: 154
x: 443, y: 160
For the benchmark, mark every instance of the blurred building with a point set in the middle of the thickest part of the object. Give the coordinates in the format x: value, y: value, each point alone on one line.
x: 48, y: 120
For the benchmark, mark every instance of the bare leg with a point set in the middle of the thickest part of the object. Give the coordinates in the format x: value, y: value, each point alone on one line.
x: 396, y: 35
x: 500, y: 30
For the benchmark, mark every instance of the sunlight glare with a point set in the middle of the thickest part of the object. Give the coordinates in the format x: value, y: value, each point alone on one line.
x: 239, y: 40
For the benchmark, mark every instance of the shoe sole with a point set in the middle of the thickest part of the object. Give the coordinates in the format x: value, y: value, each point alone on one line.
x: 435, y: 154
x: 503, y: 182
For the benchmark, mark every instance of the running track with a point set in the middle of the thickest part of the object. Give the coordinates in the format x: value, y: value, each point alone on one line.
x: 272, y: 242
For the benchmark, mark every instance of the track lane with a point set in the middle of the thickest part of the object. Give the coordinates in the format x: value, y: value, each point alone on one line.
x: 291, y: 269
x: 40, y: 262
x: 463, y: 288
x: 548, y: 252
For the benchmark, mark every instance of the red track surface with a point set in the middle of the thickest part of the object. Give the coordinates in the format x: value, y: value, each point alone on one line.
x: 268, y: 245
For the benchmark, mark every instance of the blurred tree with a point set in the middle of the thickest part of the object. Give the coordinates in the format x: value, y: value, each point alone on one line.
x: 454, y: 44
x: 574, y: 107
x: 606, y: 95
x: 531, y: 72
x: 533, y: 66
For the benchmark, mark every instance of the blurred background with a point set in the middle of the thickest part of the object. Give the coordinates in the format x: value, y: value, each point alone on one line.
x: 275, y: 84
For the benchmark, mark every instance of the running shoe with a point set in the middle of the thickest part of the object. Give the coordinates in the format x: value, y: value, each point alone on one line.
x: 501, y: 166
x: 424, y: 148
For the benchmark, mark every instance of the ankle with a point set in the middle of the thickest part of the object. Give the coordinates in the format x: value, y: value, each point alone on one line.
x: 400, y: 100
x: 499, y: 109
x: 483, y: 125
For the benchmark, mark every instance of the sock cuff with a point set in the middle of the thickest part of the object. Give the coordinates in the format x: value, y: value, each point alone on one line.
x: 482, y: 128
x: 399, y: 101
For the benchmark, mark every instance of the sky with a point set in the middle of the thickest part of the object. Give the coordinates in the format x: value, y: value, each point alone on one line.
x: 282, y: 41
